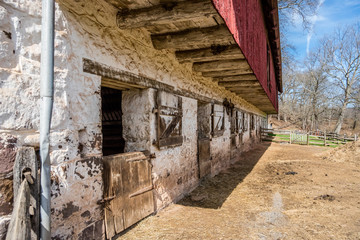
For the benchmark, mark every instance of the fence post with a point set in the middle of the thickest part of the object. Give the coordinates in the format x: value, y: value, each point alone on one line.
x: 307, y: 139
x: 290, y: 137
x: 325, y: 138
x: 355, y: 138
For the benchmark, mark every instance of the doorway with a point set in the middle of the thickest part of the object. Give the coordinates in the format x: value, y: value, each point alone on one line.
x: 204, y: 154
x: 128, y: 195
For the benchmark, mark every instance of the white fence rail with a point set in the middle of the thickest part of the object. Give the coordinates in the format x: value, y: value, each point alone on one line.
x: 306, y: 138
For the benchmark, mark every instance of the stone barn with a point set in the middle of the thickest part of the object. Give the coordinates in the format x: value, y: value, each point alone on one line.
x: 150, y: 97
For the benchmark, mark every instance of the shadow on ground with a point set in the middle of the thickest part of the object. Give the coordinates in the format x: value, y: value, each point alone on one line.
x: 213, y: 192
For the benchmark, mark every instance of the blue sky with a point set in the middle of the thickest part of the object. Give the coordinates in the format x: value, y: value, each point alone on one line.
x: 330, y: 15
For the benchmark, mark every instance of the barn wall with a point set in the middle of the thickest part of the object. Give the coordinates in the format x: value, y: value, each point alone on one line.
x: 175, y: 168
x: 220, y: 149
x: 246, y: 23
x: 87, y: 29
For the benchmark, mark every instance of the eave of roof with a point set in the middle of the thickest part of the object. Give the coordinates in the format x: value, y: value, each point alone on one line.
x: 271, y: 14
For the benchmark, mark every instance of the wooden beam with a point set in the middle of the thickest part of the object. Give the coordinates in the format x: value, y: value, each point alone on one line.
x: 115, y: 84
x: 219, y: 65
x: 212, y: 53
x: 246, y: 90
x: 238, y: 71
x: 243, y: 77
x: 255, y: 100
x: 165, y: 13
x: 239, y: 84
x: 255, y: 97
x: 193, y: 38
x: 108, y: 72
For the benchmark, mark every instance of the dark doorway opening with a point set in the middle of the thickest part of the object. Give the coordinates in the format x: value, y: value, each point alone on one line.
x: 112, y: 127
x: 204, y: 154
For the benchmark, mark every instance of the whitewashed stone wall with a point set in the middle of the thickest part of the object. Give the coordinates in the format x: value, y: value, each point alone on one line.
x: 175, y: 168
x: 87, y: 29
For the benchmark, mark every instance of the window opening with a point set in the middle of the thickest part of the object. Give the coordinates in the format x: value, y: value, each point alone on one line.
x: 111, y: 117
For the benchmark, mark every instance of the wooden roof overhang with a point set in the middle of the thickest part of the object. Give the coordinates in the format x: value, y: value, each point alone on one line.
x: 197, y: 34
x: 271, y: 14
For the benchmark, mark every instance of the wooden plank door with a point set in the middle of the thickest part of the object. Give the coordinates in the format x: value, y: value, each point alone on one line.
x: 204, y: 157
x: 128, y: 191
x: 204, y: 130
x: 233, y: 133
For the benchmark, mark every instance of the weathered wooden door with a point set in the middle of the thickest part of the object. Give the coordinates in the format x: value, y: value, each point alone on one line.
x: 233, y: 133
x: 128, y: 191
x: 204, y: 155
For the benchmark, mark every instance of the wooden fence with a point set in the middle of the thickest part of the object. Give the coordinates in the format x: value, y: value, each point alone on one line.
x: 320, y: 138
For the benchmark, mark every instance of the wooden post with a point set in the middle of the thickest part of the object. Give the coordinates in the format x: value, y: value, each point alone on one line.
x: 20, y: 226
x: 307, y: 139
x: 26, y: 166
x: 324, y: 138
x: 290, y: 138
x: 355, y: 138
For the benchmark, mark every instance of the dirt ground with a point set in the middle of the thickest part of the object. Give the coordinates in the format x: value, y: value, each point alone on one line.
x: 276, y: 191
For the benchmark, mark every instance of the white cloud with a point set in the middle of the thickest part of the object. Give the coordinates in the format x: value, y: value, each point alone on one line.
x: 313, y: 20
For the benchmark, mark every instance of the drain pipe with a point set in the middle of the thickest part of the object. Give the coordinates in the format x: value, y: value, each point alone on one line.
x: 46, y: 94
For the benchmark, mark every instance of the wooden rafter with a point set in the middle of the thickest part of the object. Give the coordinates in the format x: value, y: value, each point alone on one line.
x: 165, y: 13
x: 244, y: 70
x: 216, y: 52
x: 220, y: 65
x: 244, y: 83
x: 243, y: 90
x: 193, y: 38
x: 242, y: 77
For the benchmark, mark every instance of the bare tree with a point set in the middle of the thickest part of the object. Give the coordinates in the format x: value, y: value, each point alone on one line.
x: 288, y: 104
x: 343, y: 49
x: 316, y: 85
x: 303, y: 8
x: 356, y: 97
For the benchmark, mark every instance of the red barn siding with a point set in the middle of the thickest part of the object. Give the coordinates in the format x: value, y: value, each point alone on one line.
x: 245, y: 20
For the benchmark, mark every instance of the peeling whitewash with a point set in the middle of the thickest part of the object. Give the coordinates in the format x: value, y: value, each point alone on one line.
x: 87, y: 29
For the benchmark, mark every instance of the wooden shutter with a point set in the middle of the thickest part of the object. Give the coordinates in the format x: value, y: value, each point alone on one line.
x: 169, y: 119
x: 253, y: 122
x: 237, y: 122
x: 245, y: 121
x: 233, y: 123
x: 240, y: 121
x: 217, y: 120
